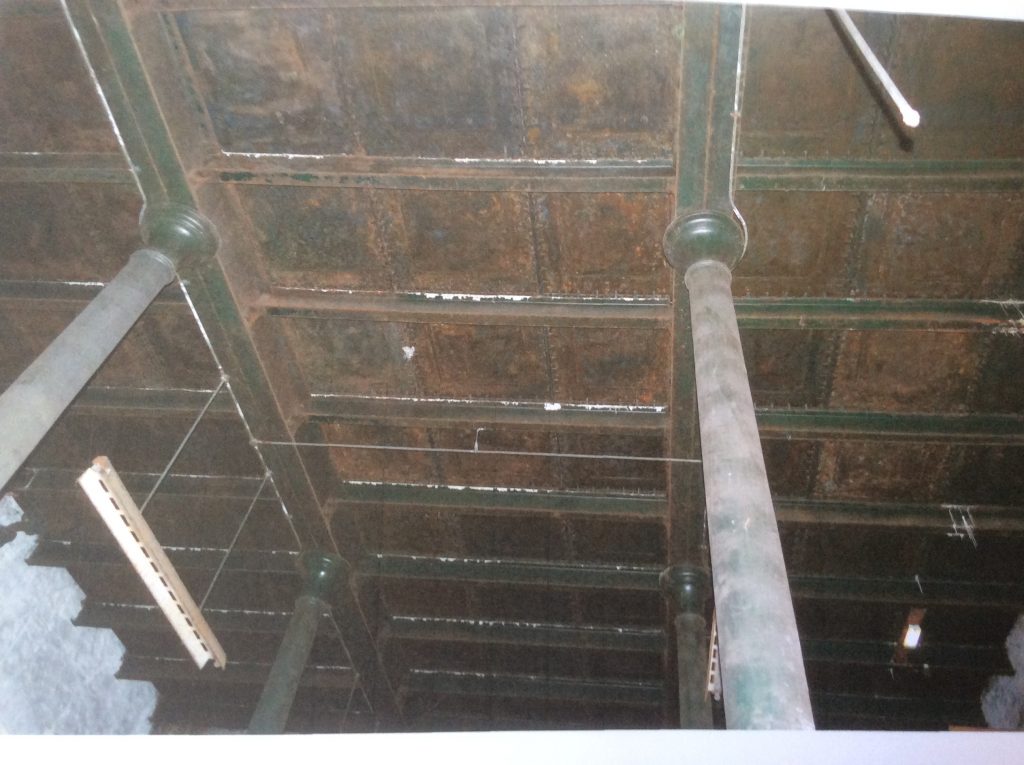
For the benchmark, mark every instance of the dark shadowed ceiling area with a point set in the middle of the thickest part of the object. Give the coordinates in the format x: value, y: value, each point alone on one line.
x: 441, y: 228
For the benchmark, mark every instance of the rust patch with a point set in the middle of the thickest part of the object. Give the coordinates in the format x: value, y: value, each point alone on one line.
x: 955, y: 245
x: 906, y: 371
x: 799, y: 243
x: 606, y: 244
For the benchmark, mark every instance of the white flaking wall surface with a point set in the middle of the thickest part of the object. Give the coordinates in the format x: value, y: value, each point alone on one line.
x: 55, y: 677
x: 1003, y: 700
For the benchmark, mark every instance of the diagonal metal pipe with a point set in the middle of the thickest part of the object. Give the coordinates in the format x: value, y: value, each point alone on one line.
x: 321, y: 573
x: 40, y: 394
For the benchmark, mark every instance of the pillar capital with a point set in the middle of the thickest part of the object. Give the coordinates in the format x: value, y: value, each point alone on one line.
x: 704, y: 235
x: 688, y: 586
x: 320, y: 572
x: 179, y: 232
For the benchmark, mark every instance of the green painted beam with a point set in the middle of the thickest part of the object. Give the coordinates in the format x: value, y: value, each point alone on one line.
x: 149, y: 618
x: 457, y: 413
x: 985, y: 660
x: 518, y: 310
x: 868, y: 175
x: 147, y: 401
x: 910, y: 591
x: 499, y: 499
x: 752, y: 313
x: 936, y: 517
x: 524, y: 572
x: 70, y: 292
x: 790, y: 510
x: 826, y: 424
x: 157, y: 669
x: 34, y: 480
x: 807, y: 424
x: 42, y: 167
x: 626, y: 693
x: 907, y: 590
x: 442, y: 174
x: 62, y: 553
x: 876, y: 314
x: 982, y: 659
x: 756, y: 174
x: 520, y: 633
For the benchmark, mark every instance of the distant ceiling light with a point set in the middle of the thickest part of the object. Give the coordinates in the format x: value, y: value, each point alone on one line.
x: 912, y: 636
x: 117, y: 509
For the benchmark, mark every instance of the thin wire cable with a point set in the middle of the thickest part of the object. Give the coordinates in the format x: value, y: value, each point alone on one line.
x: 238, y: 409
x: 184, y: 441
x: 234, y: 540
x: 488, y: 452
x: 348, y: 654
x: 348, y: 705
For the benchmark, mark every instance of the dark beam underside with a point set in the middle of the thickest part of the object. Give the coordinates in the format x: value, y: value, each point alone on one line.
x: 807, y: 424
x: 912, y: 590
x: 596, y: 175
x: 650, y: 694
x: 789, y: 510
x: 981, y: 659
x: 157, y: 669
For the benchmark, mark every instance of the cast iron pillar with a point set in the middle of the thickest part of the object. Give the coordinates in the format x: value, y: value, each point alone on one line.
x: 763, y: 680
x: 688, y: 589
x: 34, y: 402
x: 320, y: 571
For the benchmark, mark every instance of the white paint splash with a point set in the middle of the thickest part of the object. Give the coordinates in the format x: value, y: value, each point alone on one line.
x: 962, y: 523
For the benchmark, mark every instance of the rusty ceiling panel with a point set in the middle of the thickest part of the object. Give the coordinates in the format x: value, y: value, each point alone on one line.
x: 883, y: 371
x: 990, y: 474
x: 610, y: 366
x: 599, y: 82
x: 880, y: 471
x: 799, y: 243
x: 487, y: 362
x: 145, y: 443
x: 59, y: 231
x: 456, y: 82
x: 789, y: 368
x: 939, y: 246
x: 317, y: 238
x: 478, y: 243
x: 355, y: 358
x: 47, y: 102
x: 964, y: 75
x: 603, y: 244
x: 804, y: 95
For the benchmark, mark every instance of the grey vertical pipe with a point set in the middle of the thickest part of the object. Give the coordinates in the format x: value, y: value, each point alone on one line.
x: 320, y: 572
x: 687, y: 588
x: 763, y: 679
x: 692, y: 653
x: 34, y: 402
x: 275, y: 702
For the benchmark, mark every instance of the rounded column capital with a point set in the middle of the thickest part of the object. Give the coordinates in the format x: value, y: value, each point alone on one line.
x: 704, y: 235
x: 688, y: 586
x: 177, y: 231
x: 320, y: 572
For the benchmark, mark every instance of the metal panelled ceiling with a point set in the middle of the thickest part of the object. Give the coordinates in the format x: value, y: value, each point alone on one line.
x: 441, y: 230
